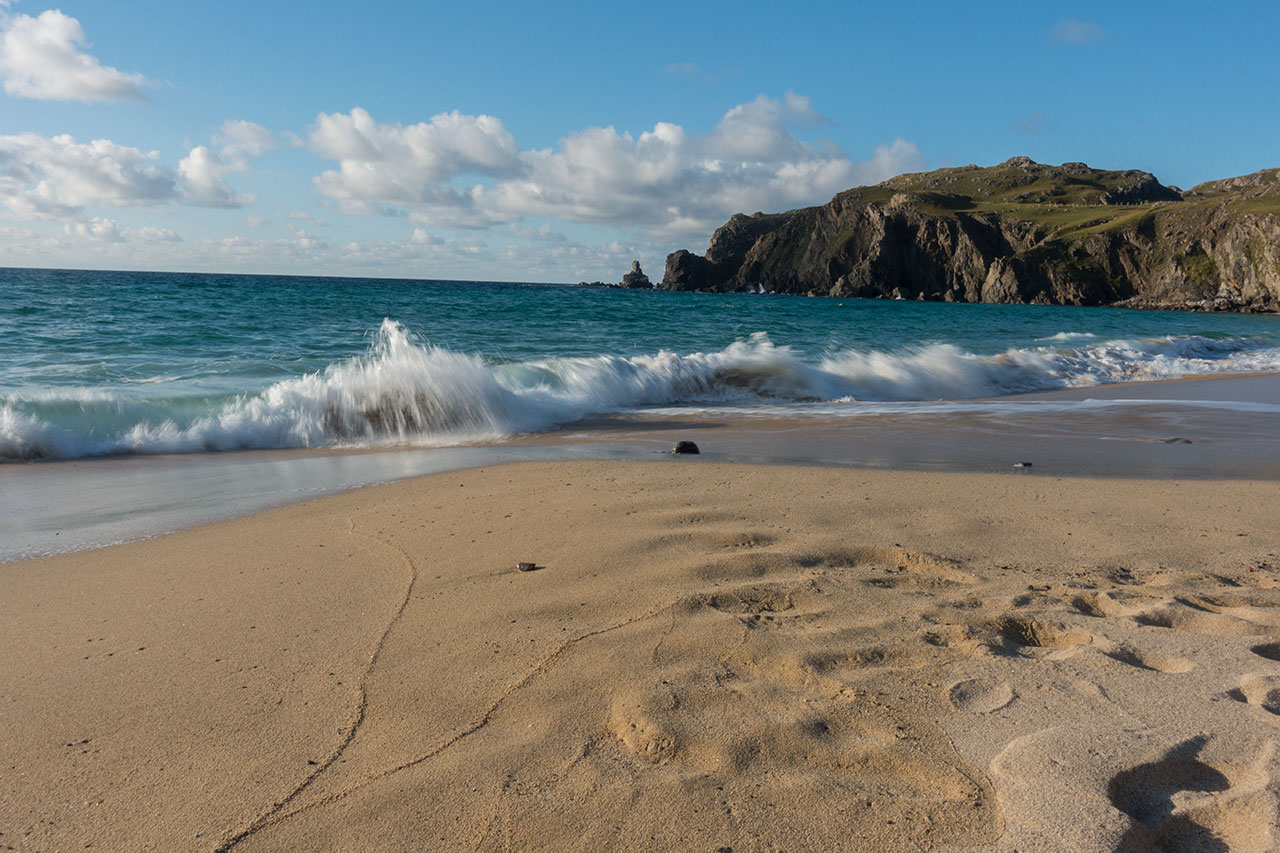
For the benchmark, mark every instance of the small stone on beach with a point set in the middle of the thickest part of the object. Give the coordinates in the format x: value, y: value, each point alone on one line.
x: 1022, y: 465
x: 685, y: 447
x: 526, y: 567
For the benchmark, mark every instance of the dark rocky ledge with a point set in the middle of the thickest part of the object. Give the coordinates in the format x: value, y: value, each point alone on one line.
x: 1019, y: 232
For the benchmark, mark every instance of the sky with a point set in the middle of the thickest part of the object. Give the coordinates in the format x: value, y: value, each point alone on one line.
x: 558, y: 142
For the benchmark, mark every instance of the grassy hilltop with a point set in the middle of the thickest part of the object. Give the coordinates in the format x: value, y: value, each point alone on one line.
x: 1016, y: 232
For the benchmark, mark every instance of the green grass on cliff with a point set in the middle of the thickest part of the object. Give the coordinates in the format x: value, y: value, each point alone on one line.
x: 1019, y: 181
x: 1258, y: 204
x: 1064, y: 203
x: 1067, y: 200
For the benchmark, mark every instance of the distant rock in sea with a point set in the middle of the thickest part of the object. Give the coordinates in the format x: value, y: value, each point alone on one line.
x: 636, y: 278
x: 1018, y: 232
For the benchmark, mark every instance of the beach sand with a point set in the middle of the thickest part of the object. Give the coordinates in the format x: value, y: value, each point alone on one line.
x: 709, y: 657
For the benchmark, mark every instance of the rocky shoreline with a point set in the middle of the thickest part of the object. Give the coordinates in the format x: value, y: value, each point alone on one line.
x: 1018, y: 233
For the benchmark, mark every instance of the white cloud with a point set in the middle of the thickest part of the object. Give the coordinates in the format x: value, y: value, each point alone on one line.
x: 58, y: 177
x: 303, y: 216
x: 1077, y: 32
x: 41, y: 58
x: 430, y: 256
x: 543, y: 232
x: 95, y: 229
x: 666, y: 180
x: 758, y: 130
x: 204, y: 172
x: 307, y: 240
x: 243, y: 140
x: 55, y: 177
x: 357, y: 207
x: 151, y: 234
x: 410, y: 165
x: 109, y: 231
x: 203, y: 181
x: 573, y: 261
x: 888, y: 160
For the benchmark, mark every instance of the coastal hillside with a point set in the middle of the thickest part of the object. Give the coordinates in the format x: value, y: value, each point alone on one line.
x: 1018, y: 232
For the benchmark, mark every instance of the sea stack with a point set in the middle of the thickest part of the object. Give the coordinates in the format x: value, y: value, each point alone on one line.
x: 636, y: 278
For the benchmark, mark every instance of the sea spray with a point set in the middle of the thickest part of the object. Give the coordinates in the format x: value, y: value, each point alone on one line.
x: 405, y: 390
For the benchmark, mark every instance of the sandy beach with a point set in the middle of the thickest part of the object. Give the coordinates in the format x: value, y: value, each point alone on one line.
x: 709, y: 657
x: 852, y: 428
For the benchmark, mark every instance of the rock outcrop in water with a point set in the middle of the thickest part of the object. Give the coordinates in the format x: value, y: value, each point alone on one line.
x: 636, y: 278
x: 1019, y: 232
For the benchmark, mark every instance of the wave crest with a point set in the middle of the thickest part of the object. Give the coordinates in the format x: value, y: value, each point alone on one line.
x: 406, y: 391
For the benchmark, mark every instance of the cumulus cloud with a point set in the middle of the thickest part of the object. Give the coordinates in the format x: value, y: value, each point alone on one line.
x: 409, y: 257
x: 109, y: 231
x: 543, y: 232
x: 203, y: 172
x: 666, y: 179
x: 410, y: 164
x: 56, y: 177
x: 425, y: 237
x: 151, y: 234
x: 1077, y: 32
x: 243, y: 140
x: 41, y: 58
x: 204, y: 183
x: 96, y: 229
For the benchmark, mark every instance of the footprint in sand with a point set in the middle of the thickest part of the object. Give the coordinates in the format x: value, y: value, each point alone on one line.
x: 1270, y: 651
x: 1186, y: 800
x: 1262, y: 691
x: 1102, y: 604
x: 1156, y: 661
x: 1191, y: 621
x: 914, y: 570
x: 1247, y: 608
x: 980, y: 695
x: 1025, y: 631
x: 753, y: 605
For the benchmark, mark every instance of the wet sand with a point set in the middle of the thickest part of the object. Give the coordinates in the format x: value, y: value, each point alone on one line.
x: 709, y: 656
x: 1200, y: 428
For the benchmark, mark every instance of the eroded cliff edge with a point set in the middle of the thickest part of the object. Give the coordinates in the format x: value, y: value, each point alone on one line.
x: 1019, y: 232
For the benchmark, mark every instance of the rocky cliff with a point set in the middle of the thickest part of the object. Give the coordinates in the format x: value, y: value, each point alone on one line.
x: 1019, y: 232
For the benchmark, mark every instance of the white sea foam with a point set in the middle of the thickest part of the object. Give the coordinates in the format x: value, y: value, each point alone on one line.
x: 404, y: 391
x: 1064, y: 337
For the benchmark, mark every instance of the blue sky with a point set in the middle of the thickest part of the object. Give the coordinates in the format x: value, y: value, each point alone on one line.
x: 522, y: 142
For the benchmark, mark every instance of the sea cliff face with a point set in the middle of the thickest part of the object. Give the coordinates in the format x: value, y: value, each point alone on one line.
x: 1019, y: 232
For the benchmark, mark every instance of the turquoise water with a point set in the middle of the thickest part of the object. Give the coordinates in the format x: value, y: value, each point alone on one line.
x: 95, y: 363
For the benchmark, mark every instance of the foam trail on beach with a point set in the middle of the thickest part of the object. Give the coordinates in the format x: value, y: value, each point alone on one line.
x: 407, y: 391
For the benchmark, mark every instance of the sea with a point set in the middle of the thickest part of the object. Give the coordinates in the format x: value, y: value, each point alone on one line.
x: 96, y: 363
x: 136, y: 403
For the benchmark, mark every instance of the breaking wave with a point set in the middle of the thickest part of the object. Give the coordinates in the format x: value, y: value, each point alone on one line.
x: 405, y: 391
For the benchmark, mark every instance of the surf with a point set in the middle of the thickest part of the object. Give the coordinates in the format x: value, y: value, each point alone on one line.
x: 405, y: 390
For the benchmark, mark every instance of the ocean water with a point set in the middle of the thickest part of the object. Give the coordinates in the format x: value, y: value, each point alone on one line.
x: 125, y: 363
